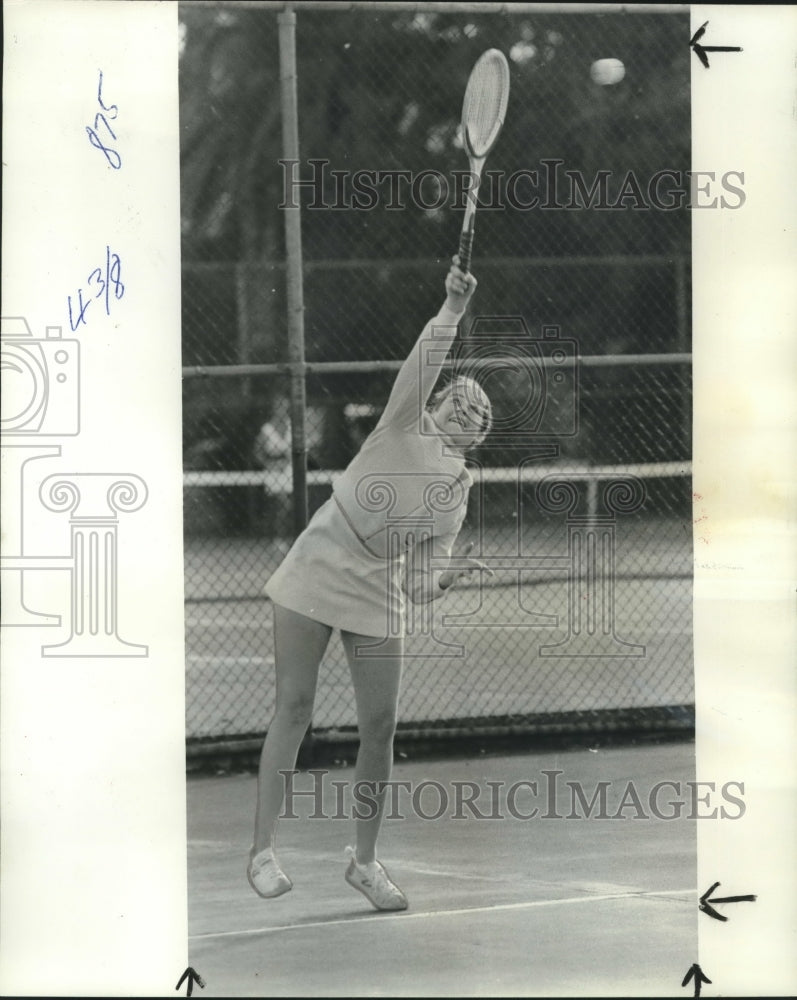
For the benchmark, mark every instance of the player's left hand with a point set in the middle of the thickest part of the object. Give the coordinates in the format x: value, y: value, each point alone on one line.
x: 450, y: 577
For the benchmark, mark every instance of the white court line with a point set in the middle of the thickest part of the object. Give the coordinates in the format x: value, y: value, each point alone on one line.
x: 426, y: 914
x: 229, y: 660
x: 222, y: 622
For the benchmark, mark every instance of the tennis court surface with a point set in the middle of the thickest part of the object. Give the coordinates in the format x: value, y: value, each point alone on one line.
x: 501, y: 906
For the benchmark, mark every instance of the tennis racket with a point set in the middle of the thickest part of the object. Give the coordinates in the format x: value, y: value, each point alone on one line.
x: 483, y: 111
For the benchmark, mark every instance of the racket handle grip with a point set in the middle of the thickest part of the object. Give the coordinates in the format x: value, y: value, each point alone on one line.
x: 465, y: 248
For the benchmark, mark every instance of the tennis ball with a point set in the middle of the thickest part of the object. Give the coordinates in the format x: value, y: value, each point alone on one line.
x: 607, y: 71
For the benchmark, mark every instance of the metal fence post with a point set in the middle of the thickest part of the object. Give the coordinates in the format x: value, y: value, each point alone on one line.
x: 293, y: 246
x: 295, y: 288
x: 683, y: 345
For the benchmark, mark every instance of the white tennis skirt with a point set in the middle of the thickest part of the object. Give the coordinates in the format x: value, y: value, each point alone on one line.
x: 330, y: 576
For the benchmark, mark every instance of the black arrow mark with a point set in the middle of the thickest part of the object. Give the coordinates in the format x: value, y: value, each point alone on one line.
x: 706, y: 907
x: 193, y: 977
x: 701, y: 50
x: 697, y: 973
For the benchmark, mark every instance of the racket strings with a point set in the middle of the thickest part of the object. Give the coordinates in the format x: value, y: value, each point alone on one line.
x: 485, y: 105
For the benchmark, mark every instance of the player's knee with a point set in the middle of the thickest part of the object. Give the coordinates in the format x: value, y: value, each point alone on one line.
x: 296, y: 711
x: 378, y: 728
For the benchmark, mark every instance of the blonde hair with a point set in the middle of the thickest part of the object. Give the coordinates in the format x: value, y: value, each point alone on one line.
x: 475, y: 394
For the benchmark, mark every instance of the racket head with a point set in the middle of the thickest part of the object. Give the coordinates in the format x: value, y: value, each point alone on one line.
x: 485, y: 103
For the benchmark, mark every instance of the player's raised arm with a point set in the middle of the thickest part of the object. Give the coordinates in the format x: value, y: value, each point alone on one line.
x: 419, y: 373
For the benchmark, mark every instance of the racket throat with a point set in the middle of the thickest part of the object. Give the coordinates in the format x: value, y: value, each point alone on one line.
x: 472, y: 192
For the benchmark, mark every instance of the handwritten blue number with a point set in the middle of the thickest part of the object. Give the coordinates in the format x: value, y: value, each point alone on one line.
x: 111, y: 155
x: 114, y: 276
x: 113, y: 158
x: 81, y: 316
x: 105, y: 107
x: 96, y: 275
x: 101, y: 118
x: 104, y: 280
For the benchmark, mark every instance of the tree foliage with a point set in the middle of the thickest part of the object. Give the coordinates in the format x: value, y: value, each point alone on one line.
x: 382, y: 90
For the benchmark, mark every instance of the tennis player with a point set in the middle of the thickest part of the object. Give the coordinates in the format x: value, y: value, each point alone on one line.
x: 350, y: 570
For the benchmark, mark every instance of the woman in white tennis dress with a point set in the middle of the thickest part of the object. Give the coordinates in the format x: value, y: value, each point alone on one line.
x: 399, y: 505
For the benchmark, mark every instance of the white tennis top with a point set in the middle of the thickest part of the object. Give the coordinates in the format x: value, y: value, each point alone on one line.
x: 405, y: 483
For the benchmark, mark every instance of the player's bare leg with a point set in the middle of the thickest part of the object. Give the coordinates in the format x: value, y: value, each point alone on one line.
x: 377, y: 682
x: 299, y: 645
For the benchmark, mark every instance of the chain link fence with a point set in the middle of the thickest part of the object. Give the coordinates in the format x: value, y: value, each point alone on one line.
x: 585, y: 515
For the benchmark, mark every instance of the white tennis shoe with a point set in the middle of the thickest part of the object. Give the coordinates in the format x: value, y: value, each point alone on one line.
x: 375, y: 884
x: 265, y: 875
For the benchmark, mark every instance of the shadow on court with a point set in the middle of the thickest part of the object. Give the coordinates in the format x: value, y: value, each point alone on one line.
x: 592, y: 896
